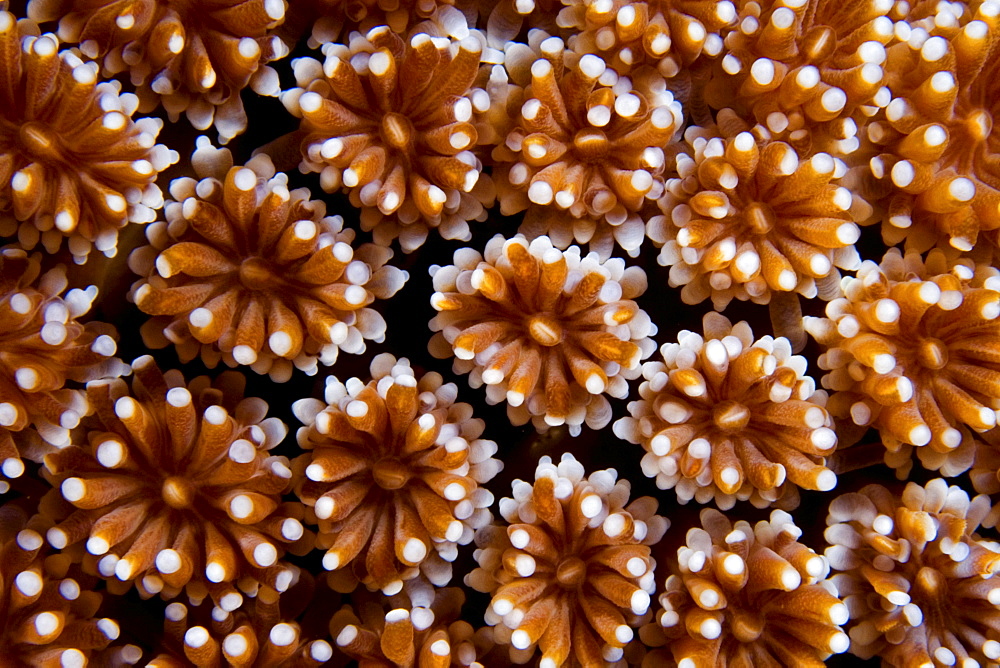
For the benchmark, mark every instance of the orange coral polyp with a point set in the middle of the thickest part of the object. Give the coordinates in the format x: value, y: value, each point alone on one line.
x: 670, y: 35
x: 910, y: 351
x: 393, y: 476
x: 174, y: 488
x: 571, y: 574
x: 937, y: 138
x: 546, y: 330
x: 582, y: 145
x: 748, y: 595
x: 45, y: 347
x: 192, y: 57
x: 390, y: 122
x: 246, y: 271
x: 46, y: 617
x: 918, y: 581
x: 725, y: 417
x: 748, y: 220
x: 73, y: 162
x: 804, y: 64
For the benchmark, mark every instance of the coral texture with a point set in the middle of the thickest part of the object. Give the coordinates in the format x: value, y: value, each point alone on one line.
x: 193, y: 57
x: 669, y: 35
x: 390, y: 122
x: 745, y: 220
x: 393, y: 475
x: 918, y: 581
x: 725, y: 417
x: 937, y: 138
x: 174, y: 488
x: 911, y: 352
x: 43, y: 347
x: 800, y: 65
x: 254, y: 635
x: 546, y: 330
x: 571, y: 574
x: 745, y: 595
x: 424, y: 630
x: 246, y: 271
x: 74, y: 164
x: 47, y: 618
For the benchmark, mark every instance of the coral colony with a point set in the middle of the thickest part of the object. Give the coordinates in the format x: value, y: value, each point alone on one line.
x: 479, y: 333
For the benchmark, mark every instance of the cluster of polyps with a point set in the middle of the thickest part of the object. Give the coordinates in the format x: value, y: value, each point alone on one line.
x: 727, y: 417
x: 911, y: 351
x: 546, y: 330
x: 390, y: 122
x: 75, y: 165
x: 194, y: 59
x: 393, y: 475
x: 571, y: 575
x: 921, y: 586
x: 798, y: 66
x: 748, y: 595
x: 173, y: 488
x: 245, y: 271
x: 45, y: 347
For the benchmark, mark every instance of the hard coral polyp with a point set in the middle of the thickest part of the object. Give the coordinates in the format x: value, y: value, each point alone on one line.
x: 257, y: 634
x: 571, y: 574
x: 669, y: 35
x: 420, y: 629
x: 746, y: 220
x: 173, y: 488
x: 727, y: 417
x: 393, y: 476
x: 920, y: 584
x: 193, y: 57
x: 248, y: 272
x: 390, y: 122
x: 546, y: 330
x: 806, y: 65
x: 745, y: 595
x: 44, y: 347
x: 47, y: 618
x: 586, y: 145
x: 73, y: 162
x: 912, y: 352
x: 938, y: 138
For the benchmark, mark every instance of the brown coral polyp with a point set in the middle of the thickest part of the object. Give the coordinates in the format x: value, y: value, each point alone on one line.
x: 174, y: 487
x: 745, y: 595
x: 45, y: 347
x: 73, y: 162
x: 192, y: 57
x: 393, y: 475
x: 389, y: 121
x: 727, y: 417
x: 248, y: 272
x: 571, y: 573
x: 546, y: 330
x: 911, y: 351
x: 749, y: 220
x: 937, y: 138
x: 920, y: 584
